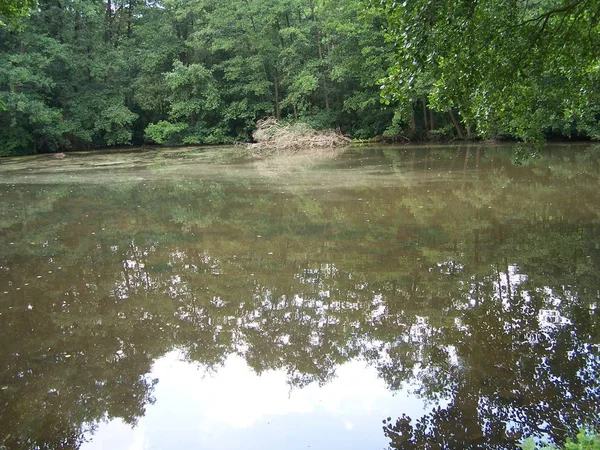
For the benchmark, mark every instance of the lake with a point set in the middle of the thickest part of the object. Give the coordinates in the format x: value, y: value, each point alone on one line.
x: 368, y: 298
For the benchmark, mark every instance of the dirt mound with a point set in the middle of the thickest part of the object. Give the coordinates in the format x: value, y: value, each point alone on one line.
x: 273, y: 135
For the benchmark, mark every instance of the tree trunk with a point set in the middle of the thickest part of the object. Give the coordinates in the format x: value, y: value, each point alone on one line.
x: 456, y: 125
x: 431, y: 123
x: 287, y: 19
x: 425, y: 116
x: 129, y: 18
x: 317, y: 33
x: 319, y: 50
x: 77, y: 26
x: 276, y: 83
x: 108, y: 21
x: 326, y: 94
x: 59, y: 25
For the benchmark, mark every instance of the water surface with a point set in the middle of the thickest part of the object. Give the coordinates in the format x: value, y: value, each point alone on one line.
x: 373, y: 297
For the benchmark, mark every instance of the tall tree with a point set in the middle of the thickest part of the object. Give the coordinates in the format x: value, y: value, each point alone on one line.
x: 512, y: 67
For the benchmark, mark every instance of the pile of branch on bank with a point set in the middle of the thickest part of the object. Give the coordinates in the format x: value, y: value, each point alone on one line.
x: 272, y: 135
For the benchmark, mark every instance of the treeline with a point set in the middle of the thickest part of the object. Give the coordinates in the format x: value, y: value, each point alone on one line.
x: 83, y: 73
x: 80, y: 74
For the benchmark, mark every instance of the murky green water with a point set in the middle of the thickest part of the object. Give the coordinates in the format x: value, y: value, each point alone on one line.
x: 196, y: 299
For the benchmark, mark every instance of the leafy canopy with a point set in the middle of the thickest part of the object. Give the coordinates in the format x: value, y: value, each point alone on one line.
x: 513, y: 67
x: 14, y: 9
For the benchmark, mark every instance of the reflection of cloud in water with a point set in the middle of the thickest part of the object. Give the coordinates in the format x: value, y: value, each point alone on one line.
x: 118, y: 435
x: 236, y: 408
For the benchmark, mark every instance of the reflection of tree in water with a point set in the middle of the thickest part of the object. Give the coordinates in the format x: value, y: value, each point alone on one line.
x: 305, y: 281
x: 513, y: 375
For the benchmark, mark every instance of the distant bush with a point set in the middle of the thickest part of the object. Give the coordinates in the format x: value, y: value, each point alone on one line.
x: 165, y: 133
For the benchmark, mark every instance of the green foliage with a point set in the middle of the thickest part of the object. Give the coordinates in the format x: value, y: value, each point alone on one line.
x: 28, y: 120
x: 87, y: 74
x: 320, y: 119
x: 586, y: 440
x: 193, y: 90
x: 12, y: 10
x: 165, y: 132
x: 443, y: 133
x: 101, y: 120
x: 93, y: 74
x: 301, y: 89
x: 526, y: 69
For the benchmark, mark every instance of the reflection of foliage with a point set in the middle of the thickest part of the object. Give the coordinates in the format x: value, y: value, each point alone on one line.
x: 511, y: 376
x: 448, y: 282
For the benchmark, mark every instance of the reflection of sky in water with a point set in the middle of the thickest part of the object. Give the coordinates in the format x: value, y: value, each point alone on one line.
x: 236, y: 408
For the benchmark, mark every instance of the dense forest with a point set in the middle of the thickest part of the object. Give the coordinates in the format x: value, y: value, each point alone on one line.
x: 80, y: 74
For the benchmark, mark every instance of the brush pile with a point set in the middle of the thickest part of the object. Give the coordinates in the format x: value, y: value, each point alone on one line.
x: 270, y: 135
